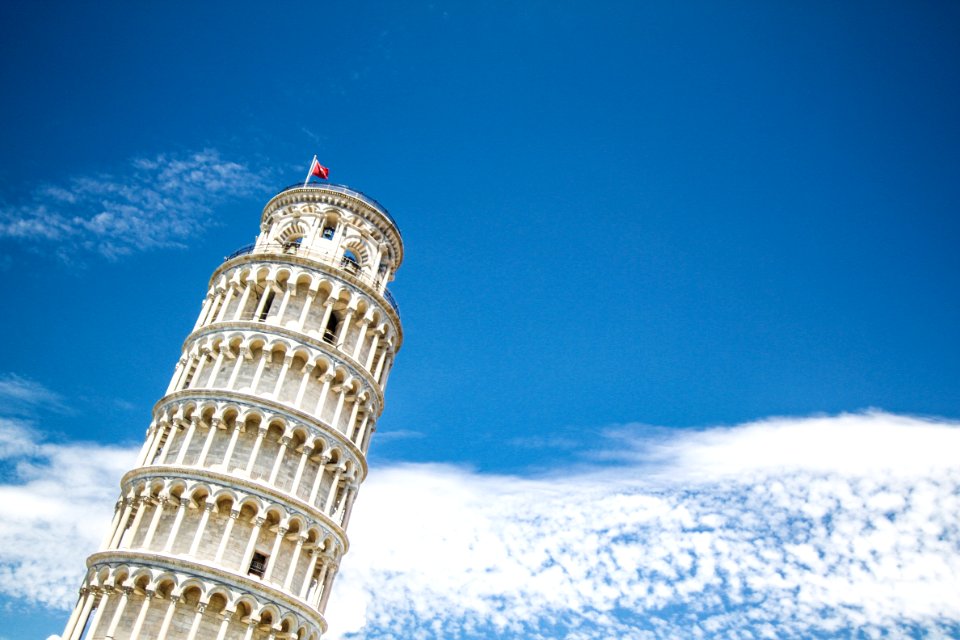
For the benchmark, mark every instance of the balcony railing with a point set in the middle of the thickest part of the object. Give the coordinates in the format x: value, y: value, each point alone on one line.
x: 240, y: 252
x: 346, y: 264
x: 347, y: 191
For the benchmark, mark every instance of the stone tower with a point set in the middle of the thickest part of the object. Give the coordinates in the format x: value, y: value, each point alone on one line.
x: 233, y: 523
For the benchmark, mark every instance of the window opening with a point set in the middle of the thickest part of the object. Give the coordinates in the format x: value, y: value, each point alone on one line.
x: 330, y: 332
x: 328, y: 233
x: 291, y: 246
x: 258, y: 566
x: 381, y: 272
x: 350, y: 262
x: 266, y: 305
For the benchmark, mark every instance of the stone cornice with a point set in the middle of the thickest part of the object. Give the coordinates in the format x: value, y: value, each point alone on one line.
x: 239, y: 582
x: 348, y: 362
x: 250, y: 486
x: 269, y: 406
x: 322, y: 267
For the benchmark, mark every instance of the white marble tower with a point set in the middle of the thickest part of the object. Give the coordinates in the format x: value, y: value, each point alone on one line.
x: 233, y: 523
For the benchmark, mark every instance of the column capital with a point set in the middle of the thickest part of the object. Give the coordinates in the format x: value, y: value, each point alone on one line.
x: 258, y: 522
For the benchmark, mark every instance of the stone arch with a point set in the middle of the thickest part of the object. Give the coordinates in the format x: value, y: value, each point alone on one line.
x: 359, y: 248
x: 192, y: 591
x: 292, y: 231
x: 218, y: 599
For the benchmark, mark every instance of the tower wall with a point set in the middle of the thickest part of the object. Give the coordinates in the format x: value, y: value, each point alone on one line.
x: 233, y: 523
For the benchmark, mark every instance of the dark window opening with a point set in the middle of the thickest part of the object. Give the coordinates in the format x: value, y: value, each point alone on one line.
x: 328, y: 233
x: 330, y: 332
x: 267, y: 305
x: 258, y: 566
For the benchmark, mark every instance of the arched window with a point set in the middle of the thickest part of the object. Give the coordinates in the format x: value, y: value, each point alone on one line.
x: 292, y: 245
x: 350, y: 261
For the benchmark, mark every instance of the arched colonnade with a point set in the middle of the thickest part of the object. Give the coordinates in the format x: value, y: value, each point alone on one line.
x: 300, y: 376
x: 301, y: 461
x: 123, y: 600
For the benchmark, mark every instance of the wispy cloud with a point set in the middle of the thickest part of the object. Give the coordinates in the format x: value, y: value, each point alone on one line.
x: 156, y: 202
x: 19, y: 395
x: 398, y: 434
x: 834, y: 525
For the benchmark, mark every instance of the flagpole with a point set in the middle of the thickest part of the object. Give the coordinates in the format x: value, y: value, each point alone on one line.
x: 310, y: 171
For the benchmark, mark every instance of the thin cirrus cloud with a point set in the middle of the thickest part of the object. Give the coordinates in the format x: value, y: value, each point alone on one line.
x: 22, y: 396
x: 796, y: 527
x: 155, y: 203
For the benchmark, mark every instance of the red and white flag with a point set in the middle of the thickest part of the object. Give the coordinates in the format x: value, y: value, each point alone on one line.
x: 316, y: 169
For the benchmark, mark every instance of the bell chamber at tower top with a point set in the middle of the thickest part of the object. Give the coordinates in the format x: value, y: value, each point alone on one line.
x: 336, y: 227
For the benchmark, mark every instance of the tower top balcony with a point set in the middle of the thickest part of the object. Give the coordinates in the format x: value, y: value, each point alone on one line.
x: 307, y: 199
x: 335, y: 225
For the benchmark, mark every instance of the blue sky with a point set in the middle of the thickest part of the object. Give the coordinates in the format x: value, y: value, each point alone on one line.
x: 629, y: 228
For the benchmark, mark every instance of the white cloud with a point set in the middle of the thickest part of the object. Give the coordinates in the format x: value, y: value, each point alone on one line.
x: 55, y: 504
x: 785, y: 527
x: 158, y: 202
x: 19, y: 395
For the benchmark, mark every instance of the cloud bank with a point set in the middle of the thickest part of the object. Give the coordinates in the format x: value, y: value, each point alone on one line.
x: 796, y: 527
x: 158, y: 202
x: 781, y: 528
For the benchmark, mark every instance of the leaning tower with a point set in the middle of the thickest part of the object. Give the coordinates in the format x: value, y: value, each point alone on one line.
x: 233, y: 522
